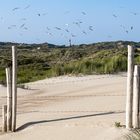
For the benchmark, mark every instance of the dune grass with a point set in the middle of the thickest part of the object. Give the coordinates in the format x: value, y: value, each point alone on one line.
x: 38, y: 64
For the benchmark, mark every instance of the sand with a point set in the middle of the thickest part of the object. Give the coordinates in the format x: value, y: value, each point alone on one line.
x: 70, y: 108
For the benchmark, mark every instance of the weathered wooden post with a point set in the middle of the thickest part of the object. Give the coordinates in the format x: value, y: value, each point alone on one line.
x: 4, y: 118
x: 9, y: 98
x: 129, y: 96
x: 136, y: 92
x: 14, y: 87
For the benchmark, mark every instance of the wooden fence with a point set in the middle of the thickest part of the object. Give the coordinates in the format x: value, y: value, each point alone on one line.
x: 132, y: 96
x: 9, y: 110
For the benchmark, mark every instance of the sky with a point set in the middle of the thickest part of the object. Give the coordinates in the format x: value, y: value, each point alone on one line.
x: 58, y: 21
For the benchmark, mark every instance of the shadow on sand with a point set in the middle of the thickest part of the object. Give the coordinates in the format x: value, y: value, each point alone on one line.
x: 63, y: 119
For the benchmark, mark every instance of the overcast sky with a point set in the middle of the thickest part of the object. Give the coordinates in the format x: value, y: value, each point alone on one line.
x: 57, y: 21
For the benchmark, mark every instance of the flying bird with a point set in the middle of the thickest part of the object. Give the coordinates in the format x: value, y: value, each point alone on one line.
x: 135, y: 14
x: 83, y: 13
x: 48, y: 28
x: 50, y: 34
x: 115, y: 16
x: 84, y: 32
x: 23, y: 19
x: 9, y: 28
x: 76, y: 23
x: 91, y: 28
x: 25, y: 28
x: 67, y: 30
x: 57, y: 28
x: 22, y: 25
x: 28, y: 6
x: 39, y: 15
x: 73, y: 35
x: 12, y: 26
x: 127, y: 31
x: 16, y: 8
x: 131, y: 27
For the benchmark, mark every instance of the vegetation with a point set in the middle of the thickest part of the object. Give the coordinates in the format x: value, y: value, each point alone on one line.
x: 134, y: 135
x: 38, y: 61
x: 118, y: 124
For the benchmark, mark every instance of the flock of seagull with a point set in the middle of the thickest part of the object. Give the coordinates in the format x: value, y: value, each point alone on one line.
x: 65, y: 31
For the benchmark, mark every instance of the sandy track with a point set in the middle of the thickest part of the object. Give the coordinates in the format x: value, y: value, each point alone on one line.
x: 70, y: 108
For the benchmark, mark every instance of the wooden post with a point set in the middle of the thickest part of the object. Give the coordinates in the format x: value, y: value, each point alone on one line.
x: 136, y: 91
x: 14, y: 87
x: 9, y: 98
x: 4, y: 120
x: 129, y: 96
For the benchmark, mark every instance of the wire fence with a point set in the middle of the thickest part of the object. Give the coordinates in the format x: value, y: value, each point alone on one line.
x: 66, y: 80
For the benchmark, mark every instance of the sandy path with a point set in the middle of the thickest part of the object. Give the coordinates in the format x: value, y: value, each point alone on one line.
x: 70, y: 108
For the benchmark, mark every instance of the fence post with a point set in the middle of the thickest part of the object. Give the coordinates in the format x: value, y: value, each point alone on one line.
x: 4, y: 120
x: 136, y: 91
x: 129, y: 96
x: 9, y: 98
x: 14, y: 87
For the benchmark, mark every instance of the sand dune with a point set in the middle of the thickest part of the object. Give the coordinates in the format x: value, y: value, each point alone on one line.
x: 70, y: 108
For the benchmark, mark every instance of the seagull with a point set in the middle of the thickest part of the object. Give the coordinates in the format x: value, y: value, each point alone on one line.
x: 16, y: 8
x: 126, y: 31
x: 25, y: 28
x: 76, y: 23
x: 12, y: 26
x: 57, y: 28
x: 135, y: 14
x: 131, y: 27
x: 73, y: 35
x: 50, y: 34
x: 23, y: 19
x: 48, y: 28
x: 22, y: 25
x: 83, y: 13
x: 67, y: 30
x: 91, y: 28
x: 9, y: 28
x: 28, y: 6
x: 114, y: 15
x: 80, y: 22
x: 84, y: 32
